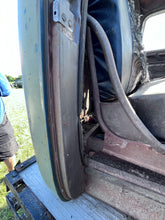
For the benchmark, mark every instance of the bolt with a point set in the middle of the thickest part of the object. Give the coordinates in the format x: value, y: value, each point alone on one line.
x: 14, y: 174
x: 63, y: 17
x: 70, y: 23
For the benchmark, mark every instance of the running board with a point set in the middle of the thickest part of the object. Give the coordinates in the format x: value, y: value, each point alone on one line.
x: 133, y: 193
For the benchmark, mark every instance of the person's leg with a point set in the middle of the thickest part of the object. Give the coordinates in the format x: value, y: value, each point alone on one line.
x: 10, y: 163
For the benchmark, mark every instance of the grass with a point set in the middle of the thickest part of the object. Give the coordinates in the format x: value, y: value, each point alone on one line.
x: 16, y: 111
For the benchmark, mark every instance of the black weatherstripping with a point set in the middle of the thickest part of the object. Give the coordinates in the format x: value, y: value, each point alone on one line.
x: 61, y: 94
x: 45, y: 24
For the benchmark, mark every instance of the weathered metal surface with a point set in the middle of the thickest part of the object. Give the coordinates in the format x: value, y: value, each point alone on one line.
x: 83, y: 208
x: 129, y: 198
x: 30, y: 19
x: 21, y: 166
x: 62, y: 14
x: 10, y: 199
x: 61, y: 80
x: 50, y: 53
x: 140, y: 179
x: 22, y: 197
x: 119, y: 189
x: 134, y: 152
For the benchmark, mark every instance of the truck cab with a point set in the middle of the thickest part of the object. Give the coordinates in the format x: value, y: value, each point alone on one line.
x: 95, y: 98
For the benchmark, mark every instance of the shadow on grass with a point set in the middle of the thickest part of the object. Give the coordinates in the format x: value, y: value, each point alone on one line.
x: 5, y: 214
x: 2, y: 180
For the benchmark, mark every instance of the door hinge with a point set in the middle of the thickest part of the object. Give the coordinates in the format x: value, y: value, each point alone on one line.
x: 62, y: 14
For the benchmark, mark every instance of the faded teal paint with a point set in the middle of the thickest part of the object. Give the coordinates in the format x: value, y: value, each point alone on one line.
x: 36, y: 48
x: 31, y: 56
x: 26, y: 26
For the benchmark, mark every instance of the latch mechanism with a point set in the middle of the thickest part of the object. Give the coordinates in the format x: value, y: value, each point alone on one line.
x: 62, y: 14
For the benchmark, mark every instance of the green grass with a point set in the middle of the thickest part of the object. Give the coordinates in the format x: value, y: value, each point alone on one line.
x: 16, y: 111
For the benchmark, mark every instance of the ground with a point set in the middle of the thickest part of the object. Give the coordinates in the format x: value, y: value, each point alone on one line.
x: 16, y: 111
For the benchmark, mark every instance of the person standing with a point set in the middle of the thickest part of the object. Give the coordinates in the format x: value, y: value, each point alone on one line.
x: 8, y: 144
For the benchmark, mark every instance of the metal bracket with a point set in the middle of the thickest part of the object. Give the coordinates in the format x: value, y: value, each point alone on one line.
x: 62, y: 14
x: 21, y: 166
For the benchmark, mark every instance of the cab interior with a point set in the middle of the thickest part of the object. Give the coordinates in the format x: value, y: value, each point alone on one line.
x: 122, y: 111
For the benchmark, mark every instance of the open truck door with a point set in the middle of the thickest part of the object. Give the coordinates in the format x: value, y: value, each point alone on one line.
x: 50, y: 42
x: 91, y: 102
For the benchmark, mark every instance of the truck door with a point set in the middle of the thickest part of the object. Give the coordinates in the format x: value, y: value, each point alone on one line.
x: 49, y: 42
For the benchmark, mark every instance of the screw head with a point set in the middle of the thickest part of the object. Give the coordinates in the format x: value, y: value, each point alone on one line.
x: 63, y: 17
x: 70, y: 23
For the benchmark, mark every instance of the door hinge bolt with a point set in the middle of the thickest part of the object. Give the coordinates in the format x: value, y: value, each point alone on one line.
x: 70, y: 23
x: 62, y: 14
x: 63, y: 17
